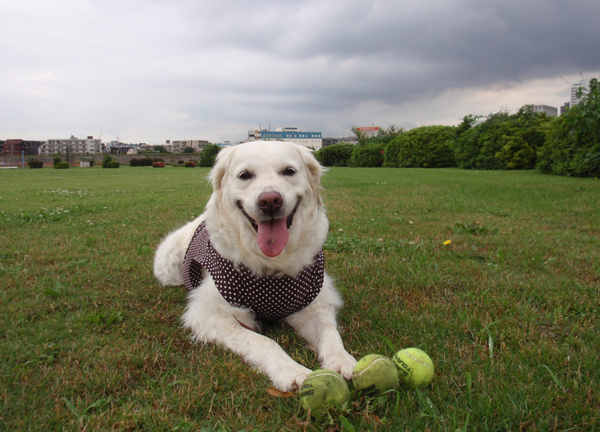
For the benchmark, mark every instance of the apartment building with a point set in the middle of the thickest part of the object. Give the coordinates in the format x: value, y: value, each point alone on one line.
x: 181, y: 145
x: 90, y: 145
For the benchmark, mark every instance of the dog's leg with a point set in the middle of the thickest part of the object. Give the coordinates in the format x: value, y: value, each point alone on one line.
x: 317, y: 324
x: 265, y: 355
x: 168, y: 260
x: 212, y: 319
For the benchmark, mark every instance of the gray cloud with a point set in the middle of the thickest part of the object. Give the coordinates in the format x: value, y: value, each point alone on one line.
x: 155, y: 70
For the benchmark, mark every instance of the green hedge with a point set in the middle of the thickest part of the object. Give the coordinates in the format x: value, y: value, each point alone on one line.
x: 503, y: 141
x: 573, y: 144
x: 35, y: 164
x: 423, y: 147
x: 335, y: 155
x: 108, y: 162
x: 369, y: 155
x: 141, y: 162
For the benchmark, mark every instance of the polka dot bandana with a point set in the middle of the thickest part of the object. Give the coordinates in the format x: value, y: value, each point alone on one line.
x: 271, y: 298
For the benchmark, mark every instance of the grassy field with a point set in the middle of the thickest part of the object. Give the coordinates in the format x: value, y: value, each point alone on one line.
x: 508, y: 310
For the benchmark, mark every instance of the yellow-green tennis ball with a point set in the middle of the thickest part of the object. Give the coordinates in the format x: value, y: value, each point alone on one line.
x: 375, y: 374
x: 415, y: 367
x: 323, y: 389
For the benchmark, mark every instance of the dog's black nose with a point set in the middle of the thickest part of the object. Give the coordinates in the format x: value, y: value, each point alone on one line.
x: 270, y: 202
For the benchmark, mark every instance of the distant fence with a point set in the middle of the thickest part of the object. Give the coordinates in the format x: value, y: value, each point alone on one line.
x: 75, y: 159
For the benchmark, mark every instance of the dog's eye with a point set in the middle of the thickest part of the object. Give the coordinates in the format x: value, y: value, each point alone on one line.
x: 245, y: 175
x: 289, y: 171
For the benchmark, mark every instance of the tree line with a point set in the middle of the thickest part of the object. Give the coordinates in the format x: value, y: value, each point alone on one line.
x: 566, y: 145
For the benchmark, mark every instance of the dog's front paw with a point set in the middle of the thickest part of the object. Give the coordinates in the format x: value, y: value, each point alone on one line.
x: 290, y: 380
x: 341, y: 362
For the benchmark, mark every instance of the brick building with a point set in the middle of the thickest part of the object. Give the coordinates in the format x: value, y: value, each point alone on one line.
x: 15, y: 147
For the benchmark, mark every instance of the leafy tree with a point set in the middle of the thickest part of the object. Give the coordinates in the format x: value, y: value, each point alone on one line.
x: 360, y: 135
x: 188, y: 150
x: 384, y: 135
x: 573, y: 144
x: 209, y: 155
x: 108, y: 162
x: 467, y: 123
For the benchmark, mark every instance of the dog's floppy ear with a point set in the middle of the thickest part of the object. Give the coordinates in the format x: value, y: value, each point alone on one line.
x: 315, y: 171
x: 220, y: 169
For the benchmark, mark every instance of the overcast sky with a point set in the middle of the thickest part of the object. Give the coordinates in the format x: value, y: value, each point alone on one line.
x: 148, y: 71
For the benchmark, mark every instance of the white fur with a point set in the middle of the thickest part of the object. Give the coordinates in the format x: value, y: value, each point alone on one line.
x: 210, y: 317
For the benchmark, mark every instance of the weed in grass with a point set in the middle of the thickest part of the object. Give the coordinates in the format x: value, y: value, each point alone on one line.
x: 105, y: 318
x: 473, y: 228
x: 56, y: 291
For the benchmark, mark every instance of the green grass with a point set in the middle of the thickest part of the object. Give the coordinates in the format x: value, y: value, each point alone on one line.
x: 508, y: 310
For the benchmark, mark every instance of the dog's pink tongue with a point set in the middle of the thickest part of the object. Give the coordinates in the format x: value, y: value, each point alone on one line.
x: 272, y: 236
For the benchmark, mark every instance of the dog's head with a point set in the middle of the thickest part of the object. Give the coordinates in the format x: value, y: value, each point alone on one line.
x: 269, y: 194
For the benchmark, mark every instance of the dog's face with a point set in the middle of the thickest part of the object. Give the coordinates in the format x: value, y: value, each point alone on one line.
x: 269, y: 191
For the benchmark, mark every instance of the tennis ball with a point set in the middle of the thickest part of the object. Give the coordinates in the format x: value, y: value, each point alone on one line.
x: 375, y: 374
x: 323, y: 389
x: 415, y: 368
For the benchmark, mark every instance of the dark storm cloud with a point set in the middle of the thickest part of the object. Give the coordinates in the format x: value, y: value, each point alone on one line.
x: 163, y: 69
x: 447, y: 43
x: 393, y: 51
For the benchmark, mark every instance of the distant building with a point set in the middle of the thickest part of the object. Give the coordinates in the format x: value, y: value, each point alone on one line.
x: 564, y: 108
x: 146, y: 148
x: 16, y: 147
x: 168, y: 147
x: 368, y: 131
x: 180, y: 146
x: 90, y: 145
x: 574, y: 89
x: 332, y: 141
x: 116, y: 147
x: 550, y: 111
x: 290, y: 134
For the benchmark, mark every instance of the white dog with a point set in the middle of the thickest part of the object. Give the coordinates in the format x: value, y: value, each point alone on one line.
x: 255, y: 254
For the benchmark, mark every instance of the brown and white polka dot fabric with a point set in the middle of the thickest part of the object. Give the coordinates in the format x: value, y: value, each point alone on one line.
x: 271, y: 298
